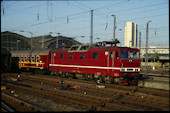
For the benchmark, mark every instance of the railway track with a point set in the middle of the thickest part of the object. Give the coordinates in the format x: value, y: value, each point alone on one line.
x: 12, y: 104
x: 150, y: 91
x: 95, y: 99
x: 71, y: 99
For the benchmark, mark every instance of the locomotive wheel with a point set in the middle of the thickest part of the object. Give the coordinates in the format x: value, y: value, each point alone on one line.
x: 108, y: 80
x: 64, y: 75
x: 116, y: 80
x: 52, y: 73
x: 72, y: 75
x: 91, y: 77
x: 85, y: 76
x: 101, y: 79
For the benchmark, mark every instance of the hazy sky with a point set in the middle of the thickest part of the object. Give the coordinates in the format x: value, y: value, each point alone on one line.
x: 72, y: 18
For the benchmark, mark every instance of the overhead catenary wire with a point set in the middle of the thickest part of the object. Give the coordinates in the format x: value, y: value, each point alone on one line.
x: 95, y: 9
x: 75, y: 17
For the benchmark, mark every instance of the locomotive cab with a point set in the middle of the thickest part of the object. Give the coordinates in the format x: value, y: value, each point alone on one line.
x: 130, y: 65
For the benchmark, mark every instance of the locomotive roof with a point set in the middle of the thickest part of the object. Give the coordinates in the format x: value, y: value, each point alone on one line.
x: 84, y: 48
x: 33, y: 52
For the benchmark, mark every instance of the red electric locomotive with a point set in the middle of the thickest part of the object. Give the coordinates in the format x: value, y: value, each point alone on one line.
x: 109, y: 64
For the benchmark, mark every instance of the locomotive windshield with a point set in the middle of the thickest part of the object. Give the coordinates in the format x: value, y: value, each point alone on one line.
x: 124, y: 54
x: 129, y: 54
x: 134, y: 54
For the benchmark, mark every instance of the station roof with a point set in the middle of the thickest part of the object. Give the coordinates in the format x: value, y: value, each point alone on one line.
x: 13, y: 41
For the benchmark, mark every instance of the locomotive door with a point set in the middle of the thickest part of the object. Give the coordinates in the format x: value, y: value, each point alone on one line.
x: 111, y: 61
x: 117, y: 59
x: 116, y: 63
x: 52, y: 59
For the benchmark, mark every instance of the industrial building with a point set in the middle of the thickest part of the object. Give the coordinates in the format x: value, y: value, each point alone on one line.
x: 131, y: 35
x: 13, y: 41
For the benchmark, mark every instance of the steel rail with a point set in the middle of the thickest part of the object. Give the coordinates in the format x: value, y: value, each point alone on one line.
x: 132, y: 95
x: 35, y: 108
x: 66, y: 96
x: 6, y: 108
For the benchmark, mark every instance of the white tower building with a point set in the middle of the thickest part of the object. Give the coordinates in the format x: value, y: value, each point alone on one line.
x: 131, y: 35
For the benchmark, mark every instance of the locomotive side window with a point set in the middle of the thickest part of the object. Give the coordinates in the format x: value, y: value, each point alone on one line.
x: 71, y: 56
x: 82, y: 56
x: 61, y: 56
x: 117, y: 55
x: 95, y: 55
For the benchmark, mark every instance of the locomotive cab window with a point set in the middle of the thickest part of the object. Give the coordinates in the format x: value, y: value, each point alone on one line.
x: 124, y: 54
x: 95, y: 55
x: 61, y: 56
x: 134, y: 54
x: 111, y: 54
x: 117, y: 55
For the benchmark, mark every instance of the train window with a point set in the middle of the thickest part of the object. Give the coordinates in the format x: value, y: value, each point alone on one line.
x: 29, y: 60
x: 37, y: 59
x: 111, y: 55
x: 32, y: 59
x: 134, y: 54
x: 25, y: 59
x: 124, y: 54
x: 71, y: 56
x: 61, y: 56
x: 82, y: 56
x: 22, y: 60
x: 117, y: 55
x: 95, y: 55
